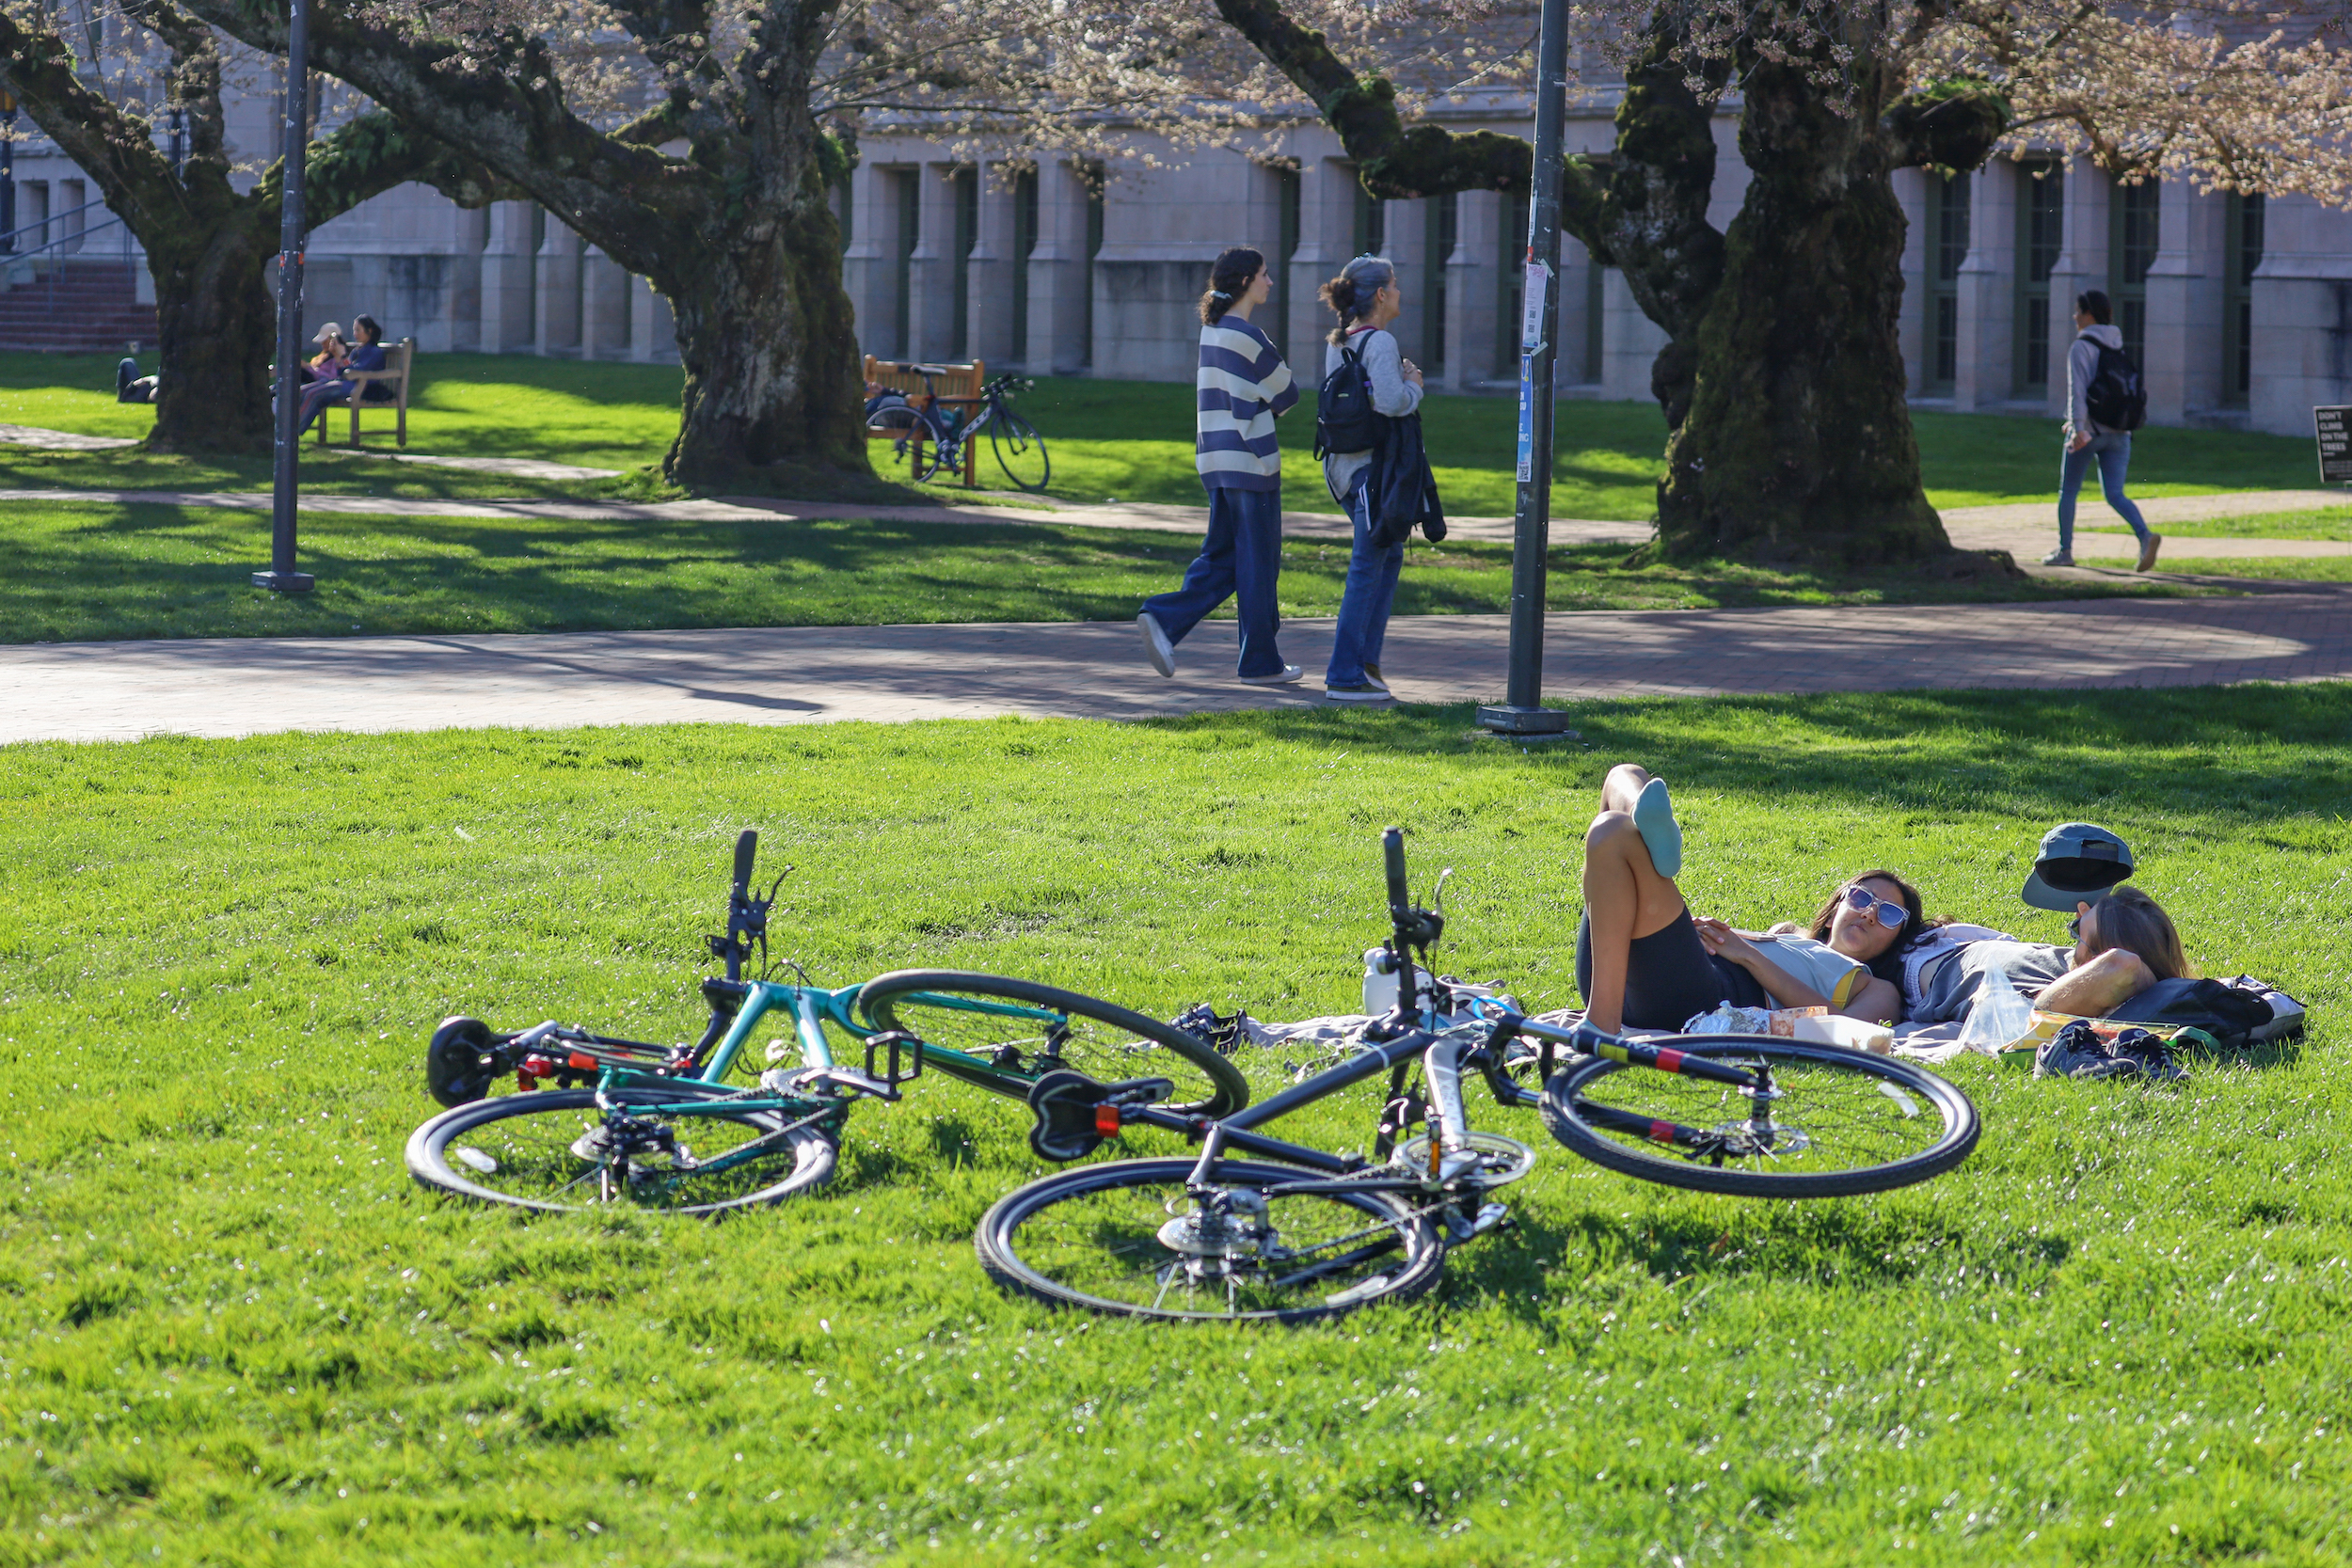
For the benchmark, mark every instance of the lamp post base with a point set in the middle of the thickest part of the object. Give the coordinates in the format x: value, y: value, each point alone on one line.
x: 285, y: 583
x: 1525, y: 724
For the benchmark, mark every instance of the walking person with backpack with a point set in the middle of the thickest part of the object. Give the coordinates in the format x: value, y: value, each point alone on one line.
x: 1241, y: 388
x: 1367, y: 382
x: 2106, y: 401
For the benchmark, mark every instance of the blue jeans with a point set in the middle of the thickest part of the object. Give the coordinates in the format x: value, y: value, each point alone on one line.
x: 1371, y: 593
x: 316, y: 396
x: 1241, y: 559
x: 2113, y: 449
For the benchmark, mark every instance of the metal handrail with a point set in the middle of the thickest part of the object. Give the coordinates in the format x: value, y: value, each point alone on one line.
x: 55, y: 217
x: 10, y: 257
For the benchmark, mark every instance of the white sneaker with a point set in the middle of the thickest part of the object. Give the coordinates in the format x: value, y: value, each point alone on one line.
x: 2058, y: 558
x: 1283, y: 676
x: 1156, y: 647
x: 2148, y: 551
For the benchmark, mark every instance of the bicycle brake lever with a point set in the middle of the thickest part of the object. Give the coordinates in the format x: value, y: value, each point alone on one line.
x: 1437, y: 898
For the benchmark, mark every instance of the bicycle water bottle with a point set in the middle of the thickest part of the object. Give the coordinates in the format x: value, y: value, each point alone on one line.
x: 1381, y: 988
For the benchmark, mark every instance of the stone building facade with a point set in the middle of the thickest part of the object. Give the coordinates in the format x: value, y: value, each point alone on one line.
x: 2240, y: 308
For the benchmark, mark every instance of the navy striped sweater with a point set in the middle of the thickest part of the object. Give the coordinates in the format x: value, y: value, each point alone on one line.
x: 1241, y: 386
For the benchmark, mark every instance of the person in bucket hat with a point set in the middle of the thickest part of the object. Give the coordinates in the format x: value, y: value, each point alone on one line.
x: 2079, y: 863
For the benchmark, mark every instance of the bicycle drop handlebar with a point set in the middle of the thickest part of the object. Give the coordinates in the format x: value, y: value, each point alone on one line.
x: 746, y: 851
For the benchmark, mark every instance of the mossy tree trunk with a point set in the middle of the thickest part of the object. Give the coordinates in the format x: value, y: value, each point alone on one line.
x: 736, y: 233
x: 1782, y: 379
x: 208, y: 248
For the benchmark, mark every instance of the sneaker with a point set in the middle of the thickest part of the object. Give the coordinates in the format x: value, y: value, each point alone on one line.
x: 1366, y: 693
x: 1283, y: 676
x: 2058, y: 558
x: 1371, y: 674
x: 2148, y: 550
x: 1156, y: 647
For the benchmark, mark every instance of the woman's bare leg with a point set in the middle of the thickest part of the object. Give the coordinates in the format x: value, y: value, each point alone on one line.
x: 1625, y: 897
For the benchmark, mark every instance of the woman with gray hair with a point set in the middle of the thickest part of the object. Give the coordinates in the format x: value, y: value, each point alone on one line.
x: 1366, y: 297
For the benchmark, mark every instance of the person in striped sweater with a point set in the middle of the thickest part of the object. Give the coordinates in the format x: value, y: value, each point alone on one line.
x: 1240, y: 390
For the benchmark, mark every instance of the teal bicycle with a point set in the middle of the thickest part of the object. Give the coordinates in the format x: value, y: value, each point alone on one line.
x: 600, y: 1121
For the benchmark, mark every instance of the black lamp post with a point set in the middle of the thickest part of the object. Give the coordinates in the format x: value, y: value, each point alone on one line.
x: 1521, y: 712
x: 281, y: 578
x: 178, y: 138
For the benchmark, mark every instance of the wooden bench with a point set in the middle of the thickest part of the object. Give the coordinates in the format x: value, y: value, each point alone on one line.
x: 398, y: 360
x: 949, y: 386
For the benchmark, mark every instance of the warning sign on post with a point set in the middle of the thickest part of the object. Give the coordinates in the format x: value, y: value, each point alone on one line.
x: 1537, y: 286
x: 1527, y: 419
x: 2335, y: 443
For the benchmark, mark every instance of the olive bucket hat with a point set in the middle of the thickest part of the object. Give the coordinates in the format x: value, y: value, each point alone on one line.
x: 2078, y: 862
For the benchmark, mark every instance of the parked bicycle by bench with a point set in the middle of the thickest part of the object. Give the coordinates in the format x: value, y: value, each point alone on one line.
x: 931, y: 428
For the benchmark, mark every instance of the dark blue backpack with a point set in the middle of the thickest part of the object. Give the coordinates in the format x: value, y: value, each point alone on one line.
x: 2117, y: 397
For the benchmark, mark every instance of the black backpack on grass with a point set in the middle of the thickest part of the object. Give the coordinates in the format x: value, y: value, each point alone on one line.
x: 2117, y: 396
x: 1345, y: 420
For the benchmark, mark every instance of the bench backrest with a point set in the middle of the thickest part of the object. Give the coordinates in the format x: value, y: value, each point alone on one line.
x: 947, y: 381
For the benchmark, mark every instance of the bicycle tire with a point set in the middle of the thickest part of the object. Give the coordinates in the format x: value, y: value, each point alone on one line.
x: 1822, y: 1082
x: 947, y: 1007
x: 1020, y: 449
x: 1123, y: 1230
x: 905, y: 422
x: 544, y: 1150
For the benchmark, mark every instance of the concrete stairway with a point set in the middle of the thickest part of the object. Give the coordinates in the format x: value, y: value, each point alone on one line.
x: 86, y: 305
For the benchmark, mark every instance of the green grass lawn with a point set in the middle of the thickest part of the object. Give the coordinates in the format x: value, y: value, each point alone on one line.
x: 2327, y: 522
x: 80, y: 572
x: 234, y: 1332
x: 1108, y: 438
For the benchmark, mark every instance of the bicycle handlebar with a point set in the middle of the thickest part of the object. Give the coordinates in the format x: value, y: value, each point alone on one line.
x: 1400, y: 897
x: 746, y: 851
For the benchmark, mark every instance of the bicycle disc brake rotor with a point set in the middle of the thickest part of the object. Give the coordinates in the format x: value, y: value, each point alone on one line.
x: 1766, y: 1138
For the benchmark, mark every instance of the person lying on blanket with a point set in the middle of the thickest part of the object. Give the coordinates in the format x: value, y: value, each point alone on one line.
x: 1643, y: 961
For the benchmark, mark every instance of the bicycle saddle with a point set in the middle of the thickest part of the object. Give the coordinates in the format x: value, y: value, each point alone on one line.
x: 1075, y: 1113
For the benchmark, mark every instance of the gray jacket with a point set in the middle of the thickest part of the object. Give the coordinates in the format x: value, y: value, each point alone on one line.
x: 1392, y: 395
x: 2082, y: 368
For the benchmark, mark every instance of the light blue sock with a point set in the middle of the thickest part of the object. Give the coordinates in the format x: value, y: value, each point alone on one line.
x: 1654, y: 814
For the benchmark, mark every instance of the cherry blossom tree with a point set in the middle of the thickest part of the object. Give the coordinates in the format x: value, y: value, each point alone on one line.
x: 211, y: 247
x: 1783, y: 379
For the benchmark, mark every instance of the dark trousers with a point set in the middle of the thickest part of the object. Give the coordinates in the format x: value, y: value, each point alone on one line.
x: 1240, y: 560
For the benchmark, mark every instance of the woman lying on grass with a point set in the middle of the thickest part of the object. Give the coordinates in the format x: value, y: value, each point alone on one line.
x: 1644, y: 962
x: 2123, y: 943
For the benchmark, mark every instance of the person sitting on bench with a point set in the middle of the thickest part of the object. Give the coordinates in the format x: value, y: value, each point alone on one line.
x: 368, y: 355
x: 1644, y: 962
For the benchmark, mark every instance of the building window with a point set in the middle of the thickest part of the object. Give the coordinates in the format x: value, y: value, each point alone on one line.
x: 960, y: 257
x: 1948, y: 247
x: 1094, y: 175
x: 1372, y: 224
x: 2242, y: 241
x: 1024, y: 242
x: 908, y: 195
x: 2040, y: 230
x: 1443, y: 221
x: 2134, y: 238
x: 1510, y: 283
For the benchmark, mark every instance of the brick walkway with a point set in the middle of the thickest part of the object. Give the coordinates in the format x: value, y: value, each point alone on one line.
x: 118, y: 690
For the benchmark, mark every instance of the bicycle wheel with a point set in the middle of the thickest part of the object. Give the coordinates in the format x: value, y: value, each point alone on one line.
x: 556, y: 1152
x: 1841, y: 1122
x: 1020, y: 449
x: 1128, y: 1238
x: 1024, y: 1030
x: 916, y: 437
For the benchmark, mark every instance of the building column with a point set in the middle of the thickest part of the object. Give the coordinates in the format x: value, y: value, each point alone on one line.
x: 1631, y: 340
x: 1472, y: 334
x: 2302, y: 298
x: 2185, y: 285
x: 604, y: 327
x: 1988, y: 275
x: 2081, y: 267
x: 930, y: 279
x: 556, y: 323
x: 988, y: 272
x: 1582, y: 295
x: 1057, y: 272
x: 1327, y: 233
x: 866, y: 264
x: 652, y: 330
x: 509, y: 281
